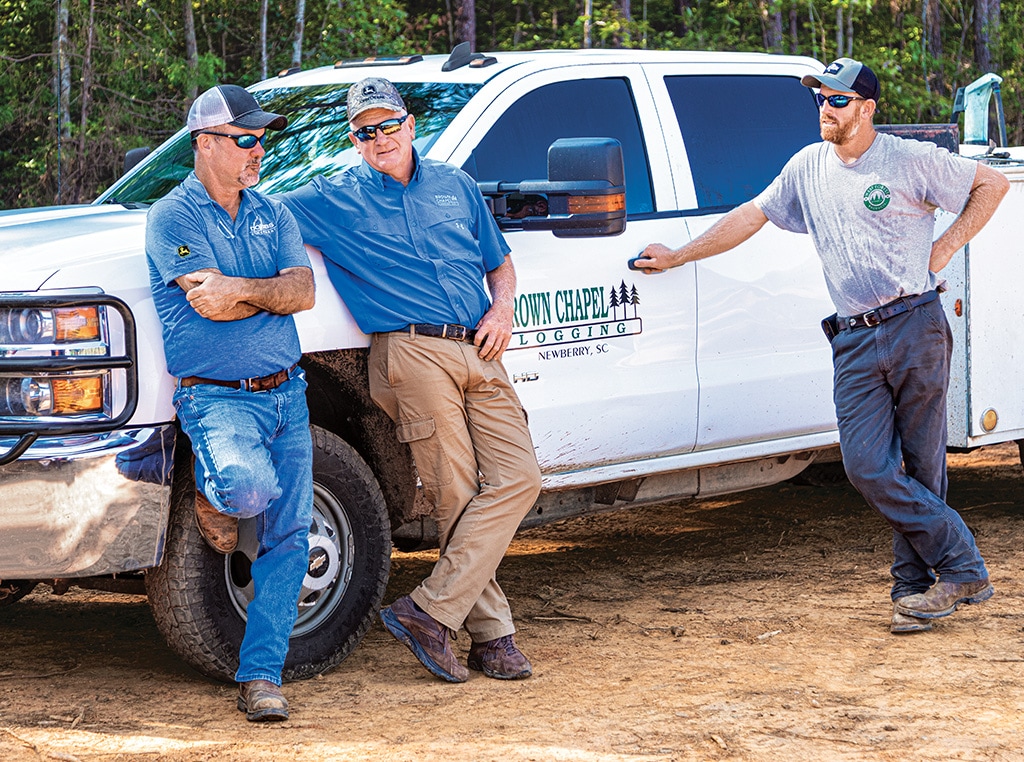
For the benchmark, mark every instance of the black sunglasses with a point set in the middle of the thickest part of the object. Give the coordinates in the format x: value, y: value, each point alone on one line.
x: 388, y: 127
x: 243, y: 141
x: 835, y: 101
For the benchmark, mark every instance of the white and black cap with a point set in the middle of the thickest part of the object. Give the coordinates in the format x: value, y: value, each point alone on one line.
x: 847, y: 76
x: 231, y: 104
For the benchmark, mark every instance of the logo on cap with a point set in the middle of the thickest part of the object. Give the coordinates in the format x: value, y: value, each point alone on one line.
x: 833, y: 68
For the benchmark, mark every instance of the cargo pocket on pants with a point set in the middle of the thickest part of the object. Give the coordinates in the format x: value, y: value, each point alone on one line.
x: 427, y: 451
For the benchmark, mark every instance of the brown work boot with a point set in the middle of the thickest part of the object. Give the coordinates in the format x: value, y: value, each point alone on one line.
x: 262, y: 701
x: 499, y: 658
x: 943, y: 598
x: 904, y: 624
x: 219, y: 530
x: 428, y: 639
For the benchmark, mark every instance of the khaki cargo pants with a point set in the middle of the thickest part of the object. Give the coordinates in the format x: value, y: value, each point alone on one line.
x: 469, y: 438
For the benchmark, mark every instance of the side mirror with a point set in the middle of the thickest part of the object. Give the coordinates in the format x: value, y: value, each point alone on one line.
x: 584, y: 195
x: 134, y: 156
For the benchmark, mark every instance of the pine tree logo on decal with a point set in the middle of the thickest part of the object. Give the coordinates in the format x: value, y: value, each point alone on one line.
x: 876, y: 198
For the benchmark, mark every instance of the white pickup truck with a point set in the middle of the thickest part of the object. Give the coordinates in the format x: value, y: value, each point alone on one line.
x: 712, y: 378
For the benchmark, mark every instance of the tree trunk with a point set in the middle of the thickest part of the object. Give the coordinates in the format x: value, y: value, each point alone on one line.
x: 987, y: 15
x: 300, y: 27
x: 794, y: 29
x: 684, y: 14
x: 191, y: 52
x: 840, y: 28
x: 62, y: 88
x: 771, y: 25
x: 931, y: 12
x: 264, y: 4
x: 588, y: 11
x: 90, y: 35
x: 465, y: 23
x: 849, y: 33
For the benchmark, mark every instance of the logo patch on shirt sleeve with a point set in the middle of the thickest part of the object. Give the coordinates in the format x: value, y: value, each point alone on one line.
x: 184, y: 251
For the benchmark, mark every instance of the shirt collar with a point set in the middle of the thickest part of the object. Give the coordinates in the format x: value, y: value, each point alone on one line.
x: 194, y: 188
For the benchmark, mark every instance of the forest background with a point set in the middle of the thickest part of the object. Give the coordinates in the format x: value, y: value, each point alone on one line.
x: 83, y: 81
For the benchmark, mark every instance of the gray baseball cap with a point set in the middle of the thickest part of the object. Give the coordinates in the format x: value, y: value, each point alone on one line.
x: 373, y: 92
x: 231, y: 104
x: 847, y: 76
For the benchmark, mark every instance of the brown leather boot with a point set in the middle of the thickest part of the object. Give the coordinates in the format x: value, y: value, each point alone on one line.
x: 428, y: 639
x: 262, y: 701
x: 219, y: 531
x: 499, y: 658
x: 902, y: 624
x: 943, y: 598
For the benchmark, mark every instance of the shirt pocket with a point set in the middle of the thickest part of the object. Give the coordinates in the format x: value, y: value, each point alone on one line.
x: 452, y: 235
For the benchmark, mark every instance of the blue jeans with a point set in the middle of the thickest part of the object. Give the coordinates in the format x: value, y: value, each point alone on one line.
x: 254, y: 458
x: 890, y: 396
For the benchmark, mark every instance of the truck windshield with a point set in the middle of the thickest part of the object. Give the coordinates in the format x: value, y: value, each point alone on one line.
x: 315, y: 142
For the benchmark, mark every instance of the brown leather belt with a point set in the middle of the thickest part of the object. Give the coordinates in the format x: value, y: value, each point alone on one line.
x: 262, y: 384
x: 451, y: 331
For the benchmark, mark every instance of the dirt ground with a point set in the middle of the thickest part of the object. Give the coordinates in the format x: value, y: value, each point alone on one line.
x: 753, y: 626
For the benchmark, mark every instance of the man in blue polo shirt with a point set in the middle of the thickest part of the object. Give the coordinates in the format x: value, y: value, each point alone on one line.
x: 408, y: 243
x: 227, y: 270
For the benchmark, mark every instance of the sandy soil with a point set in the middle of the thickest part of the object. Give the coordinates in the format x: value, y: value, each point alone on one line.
x: 749, y: 627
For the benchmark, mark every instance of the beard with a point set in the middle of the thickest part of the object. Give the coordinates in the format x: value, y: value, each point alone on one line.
x: 250, y: 175
x: 834, y: 132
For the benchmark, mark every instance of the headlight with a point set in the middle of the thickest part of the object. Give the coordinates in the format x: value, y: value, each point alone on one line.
x: 62, y: 325
x: 44, y: 396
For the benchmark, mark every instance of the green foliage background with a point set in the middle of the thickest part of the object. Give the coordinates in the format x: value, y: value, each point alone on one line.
x: 141, y: 81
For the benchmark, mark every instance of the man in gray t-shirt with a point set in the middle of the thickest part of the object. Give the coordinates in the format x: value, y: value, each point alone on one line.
x: 868, y: 201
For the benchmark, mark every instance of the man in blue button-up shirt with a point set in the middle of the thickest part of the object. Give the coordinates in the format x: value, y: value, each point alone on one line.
x: 409, y: 243
x: 228, y: 270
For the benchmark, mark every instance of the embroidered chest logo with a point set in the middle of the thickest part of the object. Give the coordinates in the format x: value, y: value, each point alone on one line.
x: 446, y: 199
x: 184, y: 251
x: 876, y: 198
x: 259, y: 227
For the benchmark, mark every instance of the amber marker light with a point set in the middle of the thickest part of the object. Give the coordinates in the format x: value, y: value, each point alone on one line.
x: 989, y: 420
x: 616, y: 202
x: 76, y: 324
x: 77, y: 395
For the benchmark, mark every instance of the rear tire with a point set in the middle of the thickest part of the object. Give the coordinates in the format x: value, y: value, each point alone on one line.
x: 199, y: 597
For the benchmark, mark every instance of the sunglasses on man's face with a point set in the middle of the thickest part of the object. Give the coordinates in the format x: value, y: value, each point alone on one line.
x: 388, y: 127
x: 835, y: 101
x: 242, y: 141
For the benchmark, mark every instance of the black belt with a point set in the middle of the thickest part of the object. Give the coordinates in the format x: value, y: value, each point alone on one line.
x: 261, y: 384
x: 451, y: 331
x: 878, y: 315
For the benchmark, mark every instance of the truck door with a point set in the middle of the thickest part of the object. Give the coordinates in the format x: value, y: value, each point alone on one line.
x: 763, y: 364
x: 602, y: 356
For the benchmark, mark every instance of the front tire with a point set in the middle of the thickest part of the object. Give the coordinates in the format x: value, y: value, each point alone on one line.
x: 199, y: 597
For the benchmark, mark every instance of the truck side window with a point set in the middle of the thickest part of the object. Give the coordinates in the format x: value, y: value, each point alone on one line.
x: 516, y: 147
x: 740, y: 131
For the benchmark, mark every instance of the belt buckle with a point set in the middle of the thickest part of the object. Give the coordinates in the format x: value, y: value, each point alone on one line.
x: 246, y: 384
x: 871, y: 318
x: 459, y: 332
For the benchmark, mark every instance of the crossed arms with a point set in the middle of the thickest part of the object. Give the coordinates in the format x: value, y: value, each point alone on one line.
x: 220, y: 297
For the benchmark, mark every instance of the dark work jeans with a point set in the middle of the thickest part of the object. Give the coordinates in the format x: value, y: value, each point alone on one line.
x: 890, y: 395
